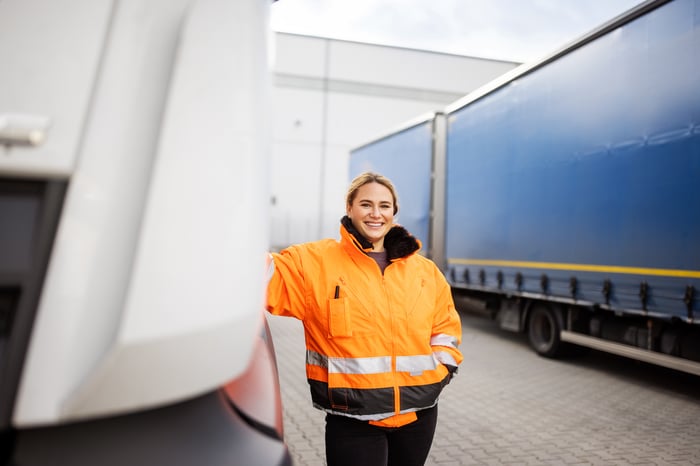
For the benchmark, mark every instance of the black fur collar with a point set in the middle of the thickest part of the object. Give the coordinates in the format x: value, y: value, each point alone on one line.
x: 398, y: 242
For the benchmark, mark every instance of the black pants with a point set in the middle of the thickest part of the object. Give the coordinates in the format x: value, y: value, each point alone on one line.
x: 350, y: 442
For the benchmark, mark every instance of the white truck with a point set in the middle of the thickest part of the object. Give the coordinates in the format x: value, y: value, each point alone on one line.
x: 133, y: 232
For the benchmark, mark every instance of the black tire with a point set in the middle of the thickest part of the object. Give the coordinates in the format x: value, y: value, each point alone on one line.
x: 544, y: 330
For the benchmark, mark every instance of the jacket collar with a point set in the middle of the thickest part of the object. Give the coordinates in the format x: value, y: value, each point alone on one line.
x: 398, y: 242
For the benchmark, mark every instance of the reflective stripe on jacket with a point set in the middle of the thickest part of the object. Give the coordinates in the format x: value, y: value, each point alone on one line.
x: 378, y: 346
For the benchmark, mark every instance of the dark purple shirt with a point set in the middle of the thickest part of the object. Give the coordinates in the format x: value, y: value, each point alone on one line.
x: 380, y: 258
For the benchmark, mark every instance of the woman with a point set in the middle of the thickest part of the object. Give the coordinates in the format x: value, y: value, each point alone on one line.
x: 382, y: 333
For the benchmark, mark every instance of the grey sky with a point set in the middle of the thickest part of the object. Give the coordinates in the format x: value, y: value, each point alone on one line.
x: 515, y: 30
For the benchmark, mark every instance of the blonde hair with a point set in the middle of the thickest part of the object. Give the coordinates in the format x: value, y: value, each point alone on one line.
x: 370, y: 177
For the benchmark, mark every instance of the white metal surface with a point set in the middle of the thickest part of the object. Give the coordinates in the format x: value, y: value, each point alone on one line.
x: 155, y: 286
x: 48, y: 71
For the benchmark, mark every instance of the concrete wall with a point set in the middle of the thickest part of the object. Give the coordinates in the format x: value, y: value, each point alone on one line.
x: 330, y: 96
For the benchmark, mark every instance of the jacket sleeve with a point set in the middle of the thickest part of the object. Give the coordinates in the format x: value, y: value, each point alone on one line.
x: 285, y: 289
x: 446, y: 334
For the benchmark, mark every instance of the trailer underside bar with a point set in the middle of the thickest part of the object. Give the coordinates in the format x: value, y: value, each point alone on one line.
x: 639, y: 354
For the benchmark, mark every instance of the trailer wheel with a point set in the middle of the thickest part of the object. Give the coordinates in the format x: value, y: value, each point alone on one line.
x: 543, y: 330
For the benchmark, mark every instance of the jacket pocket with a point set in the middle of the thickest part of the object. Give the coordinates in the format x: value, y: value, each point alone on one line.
x: 417, y: 297
x: 339, y: 322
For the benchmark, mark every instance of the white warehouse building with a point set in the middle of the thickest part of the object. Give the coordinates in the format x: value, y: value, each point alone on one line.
x: 330, y: 96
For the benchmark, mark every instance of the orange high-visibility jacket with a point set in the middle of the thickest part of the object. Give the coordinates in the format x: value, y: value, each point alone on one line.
x: 379, y: 347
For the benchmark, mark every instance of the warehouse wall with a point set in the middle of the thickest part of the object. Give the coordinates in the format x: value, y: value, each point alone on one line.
x: 330, y: 96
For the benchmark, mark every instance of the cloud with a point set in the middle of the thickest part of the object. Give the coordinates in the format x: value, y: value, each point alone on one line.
x: 515, y: 30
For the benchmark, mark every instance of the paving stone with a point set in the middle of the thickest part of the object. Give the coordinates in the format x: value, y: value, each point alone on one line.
x: 509, y: 406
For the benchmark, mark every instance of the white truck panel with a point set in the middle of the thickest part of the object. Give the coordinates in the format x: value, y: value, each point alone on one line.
x: 49, y: 70
x: 153, y: 293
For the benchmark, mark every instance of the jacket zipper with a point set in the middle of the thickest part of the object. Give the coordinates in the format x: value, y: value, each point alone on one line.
x: 397, y: 393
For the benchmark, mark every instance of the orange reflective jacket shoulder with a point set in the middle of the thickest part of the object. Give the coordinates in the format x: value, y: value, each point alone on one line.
x: 379, y: 346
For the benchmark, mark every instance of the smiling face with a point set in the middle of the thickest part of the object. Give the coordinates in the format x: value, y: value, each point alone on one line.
x: 372, y: 213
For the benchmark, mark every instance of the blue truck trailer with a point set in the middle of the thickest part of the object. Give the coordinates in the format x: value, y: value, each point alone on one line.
x: 563, y: 198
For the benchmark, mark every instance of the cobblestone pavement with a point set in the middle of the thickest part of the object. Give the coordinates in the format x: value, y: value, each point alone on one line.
x: 510, y: 406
